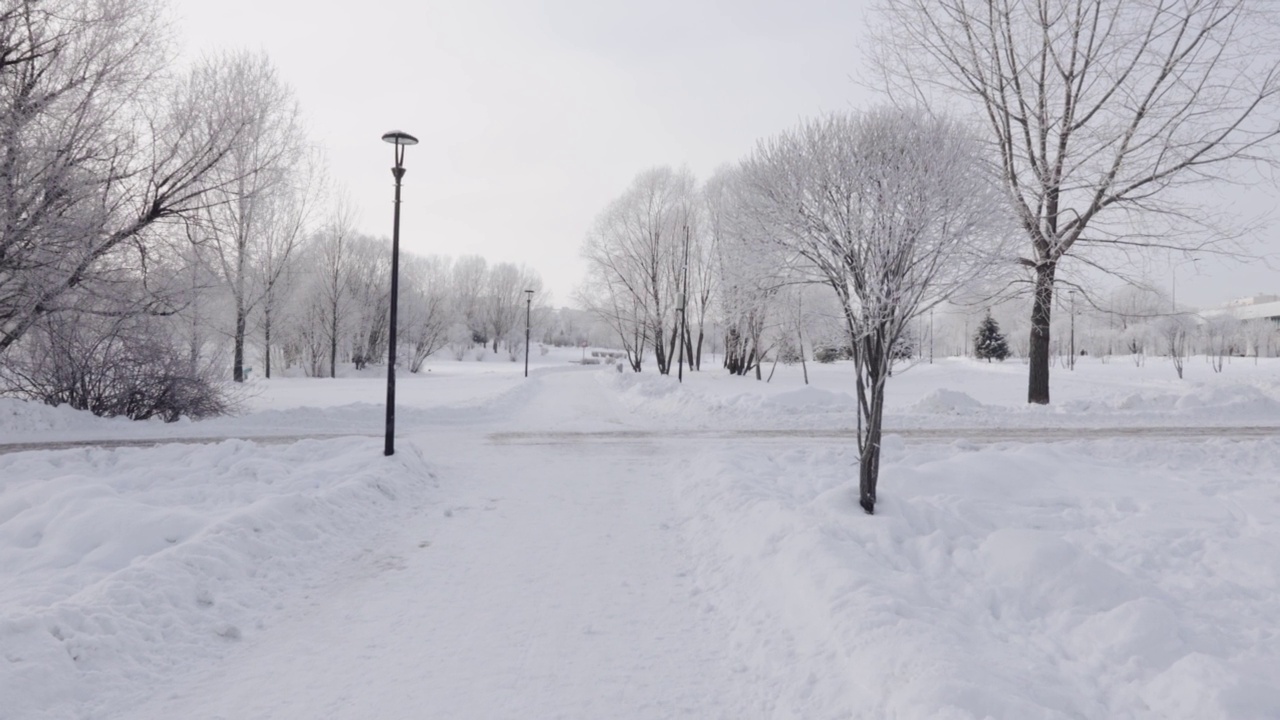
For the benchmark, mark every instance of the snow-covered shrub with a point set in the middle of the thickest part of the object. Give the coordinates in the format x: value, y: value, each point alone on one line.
x: 113, y: 366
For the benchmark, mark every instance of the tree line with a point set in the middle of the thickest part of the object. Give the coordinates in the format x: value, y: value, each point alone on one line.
x: 165, y: 228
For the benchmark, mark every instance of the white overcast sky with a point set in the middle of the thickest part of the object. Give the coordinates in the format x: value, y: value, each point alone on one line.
x: 533, y: 114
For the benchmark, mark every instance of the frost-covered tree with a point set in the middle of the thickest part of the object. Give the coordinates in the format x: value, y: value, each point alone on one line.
x: 634, y: 253
x: 989, y: 344
x: 749, y: 268
x: 469, y: 278
x: 1174, y: 331
x: 1102, y: 114
x: 264, y: 195
x: 1221, y: 334
x: 370, y: 291
x: 425, y: 311
x: 1258, y: 335
x: 895, y: 212
x: 101, y: 152
x: 327, y: 302
x: 504, y: 301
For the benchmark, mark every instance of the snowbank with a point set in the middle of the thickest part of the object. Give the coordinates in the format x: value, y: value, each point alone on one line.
x: 948, y: 402
x: 1096, y: 579
x: 958, y: 393
x: 123, y: 566
x: 24, y: 418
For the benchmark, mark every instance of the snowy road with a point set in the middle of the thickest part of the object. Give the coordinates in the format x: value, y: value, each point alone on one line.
x: 976, y: 435
x: 569, y: 437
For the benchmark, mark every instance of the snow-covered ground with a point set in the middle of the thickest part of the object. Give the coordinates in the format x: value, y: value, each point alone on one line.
x: 590, y: 544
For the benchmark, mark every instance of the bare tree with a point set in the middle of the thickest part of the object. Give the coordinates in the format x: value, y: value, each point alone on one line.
x: 264, y: 199
x: 610, y: 300
x: 1220, y: 335
x: 1257, y: 335
x: 1173, y: 331
x: 284, y: 222
x: 425, y: 312
x: 327, y: 300
x: 895, y: 212
x: 1101, y: 111
x: 470, y: 275
x: 98, y: 149
x: 370, y: 266
x: 634, y: 257
x: 702, y: 281
x: 504, y: 299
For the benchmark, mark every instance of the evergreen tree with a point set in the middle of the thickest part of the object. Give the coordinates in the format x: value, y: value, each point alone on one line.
x: 989, y: 343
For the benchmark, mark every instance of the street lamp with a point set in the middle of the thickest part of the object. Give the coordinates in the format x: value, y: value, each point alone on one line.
x: 528, y: 310
x: 400, y: 140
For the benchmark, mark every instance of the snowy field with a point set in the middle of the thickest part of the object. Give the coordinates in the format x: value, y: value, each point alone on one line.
x: 590, y: 544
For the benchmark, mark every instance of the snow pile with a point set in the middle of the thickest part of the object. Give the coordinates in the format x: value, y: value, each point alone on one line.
x: 123, y: 566
x: 1098, y: 579
x: 21, y: 417
x: 1237, y: 399
x: 810, y: 400
x: 1225, y: 403
x: 656, y: 396
x: 730, y: 402
x: 948, y: 402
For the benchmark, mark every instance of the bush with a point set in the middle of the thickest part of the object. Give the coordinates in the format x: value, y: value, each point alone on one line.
x: 832, y: 353
x: 113, y: 367
x: 903, y: 349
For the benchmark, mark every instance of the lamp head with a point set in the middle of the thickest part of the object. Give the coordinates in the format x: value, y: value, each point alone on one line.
x: 399, y: 137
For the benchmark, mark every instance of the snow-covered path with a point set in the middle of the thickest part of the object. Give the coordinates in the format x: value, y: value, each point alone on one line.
x: 559, y: 590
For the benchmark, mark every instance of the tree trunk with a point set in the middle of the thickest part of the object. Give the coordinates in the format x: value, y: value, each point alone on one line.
x: 697, y: 355
x: 1041, y: 310
x: 803, y: 366
x: 869, y: 463
x: 672, y: 348
x: 237, y: 363
x: 266, y: 345
x: 333, y: 344
x: 660, y: 353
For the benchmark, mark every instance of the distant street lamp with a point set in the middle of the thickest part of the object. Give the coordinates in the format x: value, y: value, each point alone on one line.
x: 528, y: 310
x: 400, y: 140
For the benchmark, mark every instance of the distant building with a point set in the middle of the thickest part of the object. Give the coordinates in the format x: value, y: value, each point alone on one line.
x: 1257, y: 307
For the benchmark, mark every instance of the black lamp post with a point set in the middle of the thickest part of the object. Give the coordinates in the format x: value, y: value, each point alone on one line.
x: 401, y: 140
x: 528, y: 310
